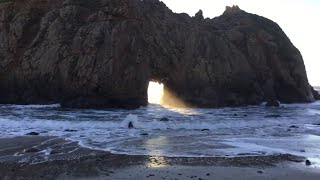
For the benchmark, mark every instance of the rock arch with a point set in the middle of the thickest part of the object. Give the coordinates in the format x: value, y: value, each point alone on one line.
x: 103, y: 53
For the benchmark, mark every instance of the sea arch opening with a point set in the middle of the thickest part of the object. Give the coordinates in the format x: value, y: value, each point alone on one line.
x: 155, y: 92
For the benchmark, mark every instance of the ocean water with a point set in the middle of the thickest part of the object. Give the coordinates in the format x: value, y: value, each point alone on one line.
x: 194, y: 132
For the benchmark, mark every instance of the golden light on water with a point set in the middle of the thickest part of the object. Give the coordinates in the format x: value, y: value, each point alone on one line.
x: 156, y: 158
x: 155, y: 92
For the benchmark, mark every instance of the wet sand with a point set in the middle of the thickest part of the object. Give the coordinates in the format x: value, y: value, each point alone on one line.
x: 36, y: 157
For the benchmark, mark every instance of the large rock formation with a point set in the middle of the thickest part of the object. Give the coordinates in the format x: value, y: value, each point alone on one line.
x: 102, y: 53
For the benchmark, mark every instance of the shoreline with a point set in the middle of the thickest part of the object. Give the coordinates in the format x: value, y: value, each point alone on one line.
x: 41, y: 157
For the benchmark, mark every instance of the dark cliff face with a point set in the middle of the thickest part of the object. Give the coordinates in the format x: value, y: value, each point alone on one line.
x: 102, y: 53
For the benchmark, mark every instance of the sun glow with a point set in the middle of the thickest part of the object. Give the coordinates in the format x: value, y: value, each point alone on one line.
x: 155, y: 92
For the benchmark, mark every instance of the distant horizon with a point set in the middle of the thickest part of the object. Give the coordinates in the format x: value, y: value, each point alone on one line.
x: 298, y: 19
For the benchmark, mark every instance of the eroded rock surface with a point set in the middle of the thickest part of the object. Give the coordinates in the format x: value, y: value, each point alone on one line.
x: 102, y: 53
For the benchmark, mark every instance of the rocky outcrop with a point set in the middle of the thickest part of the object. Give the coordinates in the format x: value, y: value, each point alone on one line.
x: 273, y: 103
x: 315, y: 91
x: 102, y: 53
x: 232, y: 10
x: 199, y: 15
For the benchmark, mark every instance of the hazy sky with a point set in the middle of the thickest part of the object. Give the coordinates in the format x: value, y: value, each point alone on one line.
x: 299, y: 19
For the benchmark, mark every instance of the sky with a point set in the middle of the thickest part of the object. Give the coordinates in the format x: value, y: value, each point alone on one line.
x: 299, y: 19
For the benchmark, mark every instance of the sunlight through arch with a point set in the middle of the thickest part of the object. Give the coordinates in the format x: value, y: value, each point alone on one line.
x: 155, y: 92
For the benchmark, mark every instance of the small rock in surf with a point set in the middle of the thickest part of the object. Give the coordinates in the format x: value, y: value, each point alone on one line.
x: 308, y: 163
x: 32, y: 150
x: 32, y: 134
x: 70, y: 130
x: 293, y: 126
x: 130, y: 125
x: 164, y: 119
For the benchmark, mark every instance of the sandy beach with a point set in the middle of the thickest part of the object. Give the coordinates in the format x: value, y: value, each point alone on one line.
x: 36, y: 157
